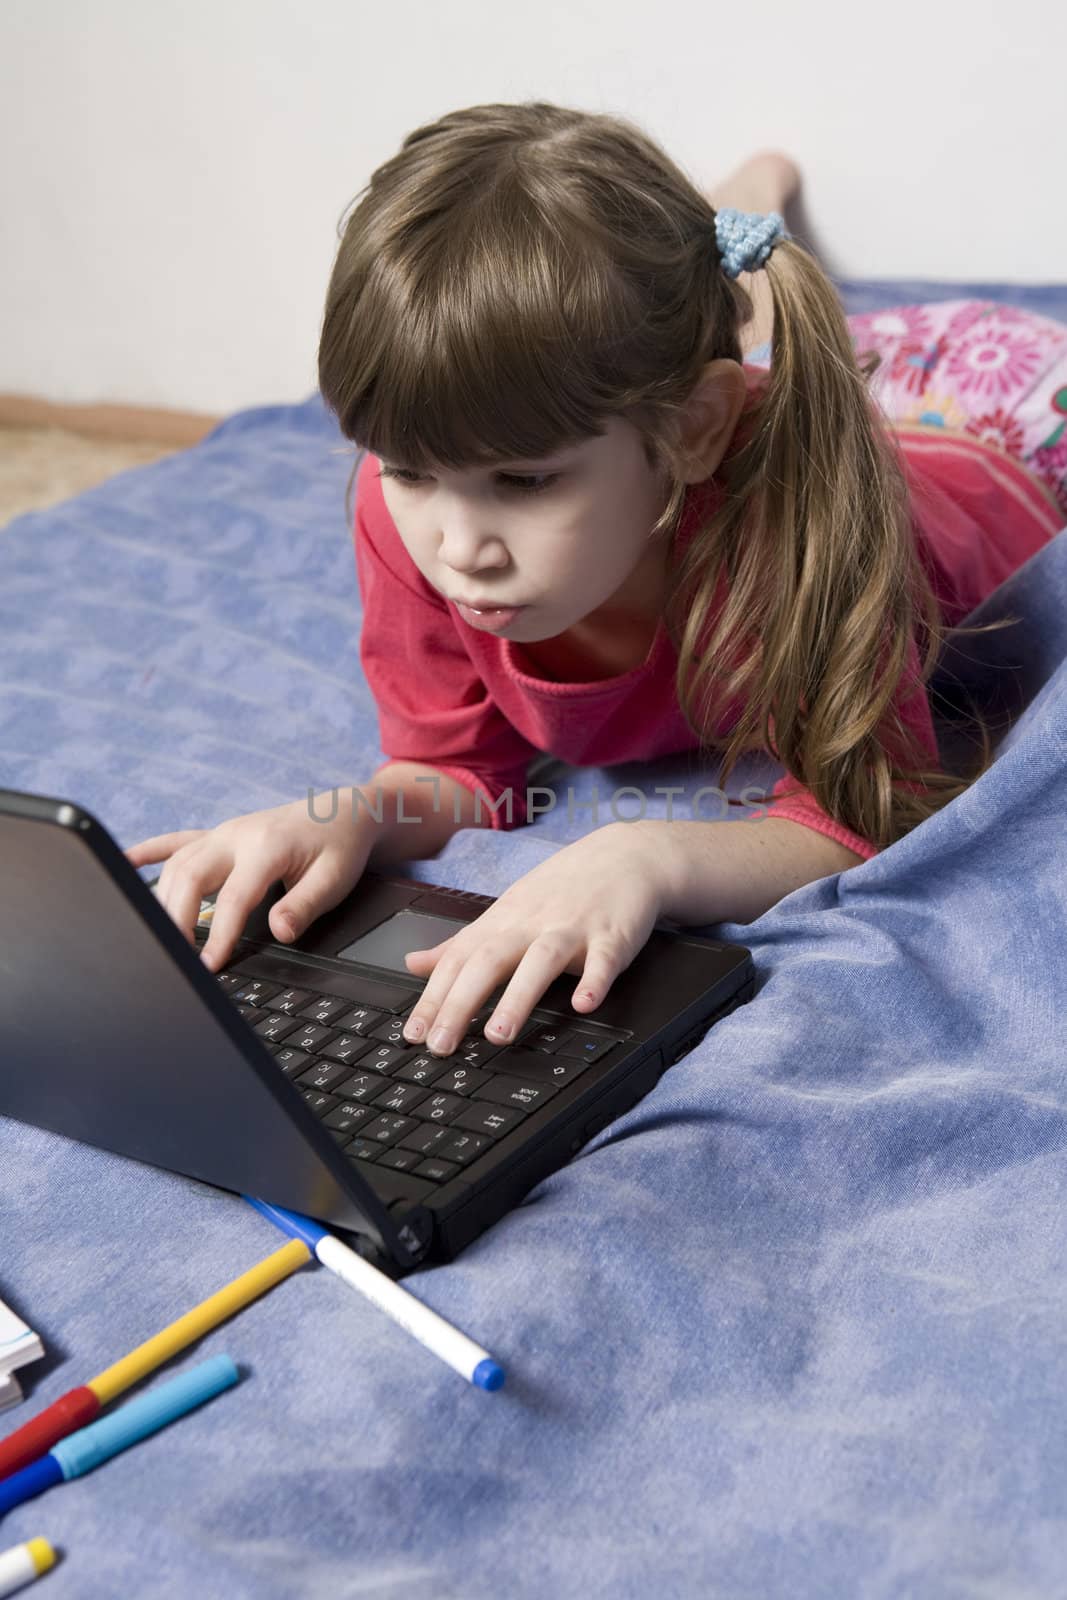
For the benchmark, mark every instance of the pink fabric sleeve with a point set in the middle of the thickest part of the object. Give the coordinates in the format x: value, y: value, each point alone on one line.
x: 432, y: 705
x: 797, y: 804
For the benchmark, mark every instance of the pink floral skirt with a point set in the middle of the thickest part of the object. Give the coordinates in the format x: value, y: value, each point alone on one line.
x: 977, y: 367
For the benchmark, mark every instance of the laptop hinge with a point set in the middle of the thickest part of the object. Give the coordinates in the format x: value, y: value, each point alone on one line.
x: 415, y: 1233
x: 412, y: 1239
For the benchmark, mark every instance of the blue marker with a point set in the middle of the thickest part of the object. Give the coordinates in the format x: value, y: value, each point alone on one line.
x: 82, y: 1451
x: 468, y: 1358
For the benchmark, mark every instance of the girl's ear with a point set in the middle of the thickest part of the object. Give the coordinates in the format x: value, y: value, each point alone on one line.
x: 710, y: 418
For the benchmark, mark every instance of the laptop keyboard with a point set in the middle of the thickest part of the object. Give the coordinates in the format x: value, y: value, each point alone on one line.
x: 392, y: 1104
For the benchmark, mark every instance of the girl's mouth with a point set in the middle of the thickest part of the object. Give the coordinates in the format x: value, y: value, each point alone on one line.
x: 493, y: 620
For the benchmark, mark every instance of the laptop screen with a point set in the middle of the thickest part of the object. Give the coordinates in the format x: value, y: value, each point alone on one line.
x: 113, y: 1032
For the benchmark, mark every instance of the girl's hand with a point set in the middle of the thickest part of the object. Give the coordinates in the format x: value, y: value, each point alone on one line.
x: 319, y: 863
x: 587, y: 910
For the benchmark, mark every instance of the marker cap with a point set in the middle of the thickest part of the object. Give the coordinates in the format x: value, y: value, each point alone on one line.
x: 41, y: 1554
x: 291, y: 1222
x: 488, y: 1374
x: 34, y: 1479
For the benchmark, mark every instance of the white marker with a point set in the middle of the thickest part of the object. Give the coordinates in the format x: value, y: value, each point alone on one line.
x: 433, y: 1331
x: 24, y: 1562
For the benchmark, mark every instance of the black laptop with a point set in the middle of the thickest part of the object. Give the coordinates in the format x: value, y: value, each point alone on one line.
x: 285, y: 1075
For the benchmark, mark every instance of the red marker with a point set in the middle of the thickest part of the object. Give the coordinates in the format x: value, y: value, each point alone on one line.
x: 78, y: 1407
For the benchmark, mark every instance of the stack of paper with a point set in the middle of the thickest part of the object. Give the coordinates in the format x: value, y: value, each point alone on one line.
x: 18, y: 1345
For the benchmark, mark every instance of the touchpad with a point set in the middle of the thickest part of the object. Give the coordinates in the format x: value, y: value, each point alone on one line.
x: 388, y: 943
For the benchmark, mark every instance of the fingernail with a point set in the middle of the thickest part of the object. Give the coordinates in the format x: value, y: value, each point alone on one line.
x: 414, y: 1029
x: 502, y: 1027
x: 440, y: 1040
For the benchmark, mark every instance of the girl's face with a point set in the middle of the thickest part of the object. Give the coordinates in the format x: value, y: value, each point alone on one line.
x: 560, y: 537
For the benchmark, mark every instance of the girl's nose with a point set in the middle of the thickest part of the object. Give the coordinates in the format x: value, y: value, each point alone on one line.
x: 468, y: 549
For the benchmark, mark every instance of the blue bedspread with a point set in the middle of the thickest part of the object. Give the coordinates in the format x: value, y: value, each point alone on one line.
x: 792, y: 1326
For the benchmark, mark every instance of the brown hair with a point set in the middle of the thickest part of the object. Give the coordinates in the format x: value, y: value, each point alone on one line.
x: 518, y: 274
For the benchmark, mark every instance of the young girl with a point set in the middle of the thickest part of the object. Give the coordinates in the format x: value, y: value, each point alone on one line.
x: 587, y: 527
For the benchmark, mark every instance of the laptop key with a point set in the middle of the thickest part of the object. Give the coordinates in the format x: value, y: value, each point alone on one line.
x: 361, y: 1019
x: 441, y: 1107
x: 362, y: 1150
x: 476, y: 1052
x: 319, y: 1103
x: 546, y: 1038
x: 362, y: 1086
x: 514, y: 1092
x: 290, y: 1000
x: 347, y: 1117
x: 421, y: 1069
x: 323, y: 1075
x: 461, y: 1147
x: 437, y: 1170
x: 291, y: 1061
x: 229, y: 981
x: 324, y: 1008
x: 424, y: 1137
x: 399, y: 1159
x: 310, y: 1035
x: 537, y: 1066
x: 256, y: 992
x: 383, y: 1057
x: 347, y: 1047
x: 462, y: 1080
x: 481, y: 1117
x: 274, y: 1025
x: 387, y: 1129
x: 401, y: 1096
x: 390, y: 1030
x: 586, y: 1046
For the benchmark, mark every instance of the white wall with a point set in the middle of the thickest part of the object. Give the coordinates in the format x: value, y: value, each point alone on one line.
x: 172, y: 176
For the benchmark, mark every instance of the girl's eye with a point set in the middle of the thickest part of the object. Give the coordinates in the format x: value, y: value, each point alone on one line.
x: 533, y: 483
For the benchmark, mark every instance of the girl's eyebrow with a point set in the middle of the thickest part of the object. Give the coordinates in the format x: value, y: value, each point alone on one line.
x: 514, y: 465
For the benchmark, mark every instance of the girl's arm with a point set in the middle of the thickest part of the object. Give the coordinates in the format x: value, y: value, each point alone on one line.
x: 735, y: 871
x: 421, y: 807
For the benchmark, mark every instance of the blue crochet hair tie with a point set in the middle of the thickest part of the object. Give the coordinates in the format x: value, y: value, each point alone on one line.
x: 746, y: 238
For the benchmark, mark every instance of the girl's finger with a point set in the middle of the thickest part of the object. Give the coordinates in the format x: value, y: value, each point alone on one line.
x: 421, y: 961
x: 599, y: 973
x: 159, y: 847
x: 314, y: 890
x: 459, y: 984
x: 242, y: 889
x: 184, y: 897
x: 546, y: 958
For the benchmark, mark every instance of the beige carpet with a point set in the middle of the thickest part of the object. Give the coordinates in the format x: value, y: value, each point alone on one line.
x: 41, y: 466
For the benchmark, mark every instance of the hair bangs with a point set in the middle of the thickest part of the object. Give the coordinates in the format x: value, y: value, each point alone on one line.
x: 487, y: 358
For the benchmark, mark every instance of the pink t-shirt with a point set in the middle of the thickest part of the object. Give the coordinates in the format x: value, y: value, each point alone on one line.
x: 472, y: 705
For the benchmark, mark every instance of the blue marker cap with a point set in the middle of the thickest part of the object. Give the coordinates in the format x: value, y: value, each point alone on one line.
x: 488, y: 1374
x: 291, y: 1222
x: 34, y: 1479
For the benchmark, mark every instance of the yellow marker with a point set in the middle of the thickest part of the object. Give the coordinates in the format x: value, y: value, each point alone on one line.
x: 79, y: 1407
x: 23, y: 1563
x: 200, y: 1320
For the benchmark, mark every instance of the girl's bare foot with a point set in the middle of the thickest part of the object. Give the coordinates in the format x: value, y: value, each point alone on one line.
x: 767, y: 181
